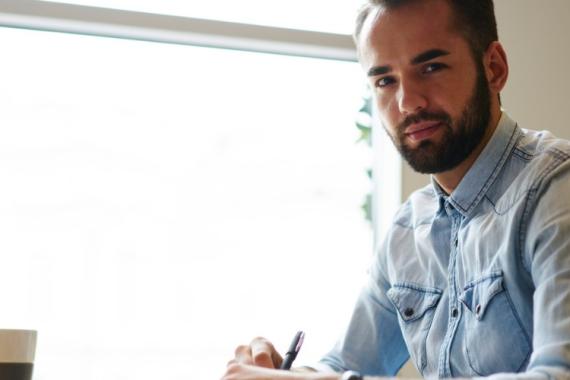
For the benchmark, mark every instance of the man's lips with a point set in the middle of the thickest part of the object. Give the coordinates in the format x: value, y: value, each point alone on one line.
x: 422, y: 130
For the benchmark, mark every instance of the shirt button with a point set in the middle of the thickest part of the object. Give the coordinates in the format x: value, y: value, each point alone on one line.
x: 454, y: 313
x: 409, y: 312
x: 478, y: 309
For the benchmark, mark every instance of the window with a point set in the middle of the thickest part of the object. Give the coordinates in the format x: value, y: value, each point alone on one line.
x: 162, y: 203
x: 315, y: 15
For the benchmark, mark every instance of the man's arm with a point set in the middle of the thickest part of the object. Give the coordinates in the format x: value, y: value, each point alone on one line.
x: 373, y: 341
x: 547, y: 256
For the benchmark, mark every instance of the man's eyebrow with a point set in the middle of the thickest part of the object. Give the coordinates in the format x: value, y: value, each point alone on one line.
x: 420, y: 58
x: 379, y: 70
x: 428, y: 56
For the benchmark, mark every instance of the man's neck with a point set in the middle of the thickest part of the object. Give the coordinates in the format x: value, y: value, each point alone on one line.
x: 450, y: 179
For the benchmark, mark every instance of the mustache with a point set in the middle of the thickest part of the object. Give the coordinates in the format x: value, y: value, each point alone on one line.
x: 424, y: 116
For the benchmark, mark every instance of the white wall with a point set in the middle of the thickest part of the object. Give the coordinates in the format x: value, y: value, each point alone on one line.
x: 536, y: 36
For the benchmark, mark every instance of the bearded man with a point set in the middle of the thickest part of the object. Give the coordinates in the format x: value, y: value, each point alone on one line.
x: 473, y: 278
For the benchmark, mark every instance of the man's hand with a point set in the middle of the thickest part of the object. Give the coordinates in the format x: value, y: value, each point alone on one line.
x: 260, y: 352
x: 259, y: 361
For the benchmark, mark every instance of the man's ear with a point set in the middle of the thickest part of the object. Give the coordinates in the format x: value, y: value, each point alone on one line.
x: 496, y: 66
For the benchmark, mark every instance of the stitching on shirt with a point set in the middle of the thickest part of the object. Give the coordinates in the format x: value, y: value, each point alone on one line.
x: 491, y: 202
x: 519, y: 152
x: 495, y: 172
x: 531, y: 202
x: 522, y: 329
x: 490, y: 276
x: 414, y: 286
x: 511, y: 204
x: 424, y: 347
x: 561, y: 155
x: 519, y: 321
x: 506, y: 211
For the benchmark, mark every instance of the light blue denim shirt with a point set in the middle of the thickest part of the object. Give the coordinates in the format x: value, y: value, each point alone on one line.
x: 476, y: 283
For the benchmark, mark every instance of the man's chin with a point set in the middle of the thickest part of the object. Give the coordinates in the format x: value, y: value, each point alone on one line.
x: 422, y: 159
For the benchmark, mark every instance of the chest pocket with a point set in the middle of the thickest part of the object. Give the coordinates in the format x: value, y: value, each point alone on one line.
x: 495, y: 340
x: 415, y: 306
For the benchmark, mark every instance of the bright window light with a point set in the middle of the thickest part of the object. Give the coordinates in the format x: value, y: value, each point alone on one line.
x: 161, y: 204
x: 315, y: 15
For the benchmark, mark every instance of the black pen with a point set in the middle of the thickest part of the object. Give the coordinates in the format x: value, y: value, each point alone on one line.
x: 294, y: 349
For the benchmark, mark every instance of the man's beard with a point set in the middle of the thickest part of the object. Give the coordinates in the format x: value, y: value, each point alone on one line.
x: 455, y: 146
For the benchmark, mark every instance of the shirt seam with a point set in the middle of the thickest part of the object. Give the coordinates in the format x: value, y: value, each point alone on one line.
x: 530, y: 203
x: 494, y: 174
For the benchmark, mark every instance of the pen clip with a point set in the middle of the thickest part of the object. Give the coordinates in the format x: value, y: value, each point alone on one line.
x: 300, y: 342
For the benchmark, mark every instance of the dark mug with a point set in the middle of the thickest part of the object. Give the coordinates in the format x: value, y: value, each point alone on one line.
x: 17, y: 351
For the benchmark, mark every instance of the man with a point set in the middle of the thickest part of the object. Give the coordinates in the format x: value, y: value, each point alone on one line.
x: 473, y: 279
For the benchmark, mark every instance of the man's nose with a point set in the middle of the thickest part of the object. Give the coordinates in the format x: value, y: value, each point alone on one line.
x: 411, y: 97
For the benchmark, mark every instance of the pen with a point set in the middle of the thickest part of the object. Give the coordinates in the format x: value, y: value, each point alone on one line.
x: 293, y: 350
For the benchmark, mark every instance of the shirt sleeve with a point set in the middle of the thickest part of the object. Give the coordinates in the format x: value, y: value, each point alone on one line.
x: 547, y: 254
x: 372, y: 343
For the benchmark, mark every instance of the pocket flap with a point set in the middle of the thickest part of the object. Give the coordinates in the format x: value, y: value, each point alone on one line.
x: 412, y: 301
x: 478, y: 294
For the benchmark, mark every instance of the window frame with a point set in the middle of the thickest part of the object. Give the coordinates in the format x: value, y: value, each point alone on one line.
x: 105, y: 22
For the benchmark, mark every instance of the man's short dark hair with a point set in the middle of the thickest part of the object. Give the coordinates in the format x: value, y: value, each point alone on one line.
x: 474, y: 19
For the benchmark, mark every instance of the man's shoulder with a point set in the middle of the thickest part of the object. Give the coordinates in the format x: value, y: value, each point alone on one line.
x: 543, y: 154
x: 542, y: 145
x: 536, y: 158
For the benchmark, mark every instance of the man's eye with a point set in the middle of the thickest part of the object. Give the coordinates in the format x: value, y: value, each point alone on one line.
x: 385, y: 81
x: 433, y: 67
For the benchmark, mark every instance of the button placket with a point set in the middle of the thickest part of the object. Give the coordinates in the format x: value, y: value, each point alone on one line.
x: 444, y: 362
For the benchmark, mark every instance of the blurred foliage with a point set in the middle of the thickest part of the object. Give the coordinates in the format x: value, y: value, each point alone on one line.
x: 364, y: 125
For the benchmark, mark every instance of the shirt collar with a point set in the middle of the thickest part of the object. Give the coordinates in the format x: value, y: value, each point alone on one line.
x: 484, y: 171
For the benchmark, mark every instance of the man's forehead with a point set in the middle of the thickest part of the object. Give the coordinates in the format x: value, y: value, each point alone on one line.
x: 407, y: 30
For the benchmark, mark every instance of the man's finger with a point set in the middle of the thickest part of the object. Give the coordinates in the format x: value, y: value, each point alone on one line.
x: 242, y: 355
x: 263, y: 353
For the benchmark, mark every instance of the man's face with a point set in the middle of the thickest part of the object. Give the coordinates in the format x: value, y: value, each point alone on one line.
x: 433, y: 98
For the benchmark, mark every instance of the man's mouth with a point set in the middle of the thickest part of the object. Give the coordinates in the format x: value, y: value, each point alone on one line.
x: 422, y: 130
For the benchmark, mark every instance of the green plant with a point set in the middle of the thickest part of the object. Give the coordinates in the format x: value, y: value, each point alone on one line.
x: 364, y: 125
